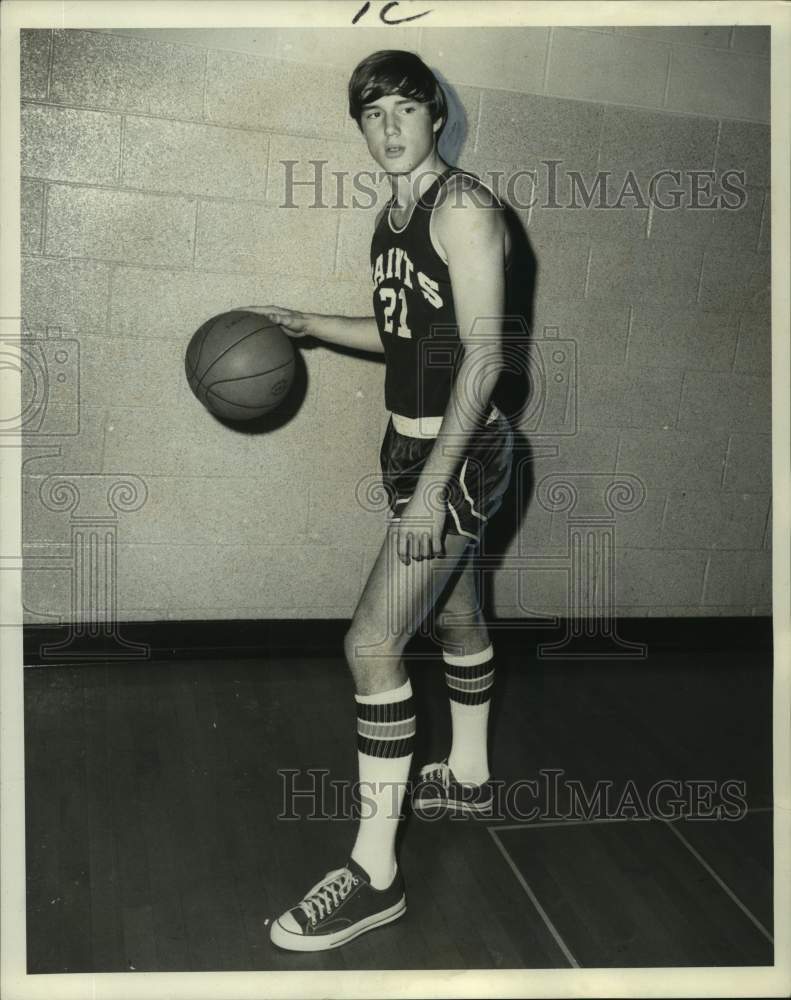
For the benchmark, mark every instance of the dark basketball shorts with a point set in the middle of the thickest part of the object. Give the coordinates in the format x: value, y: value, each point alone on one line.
x: 475, y: 492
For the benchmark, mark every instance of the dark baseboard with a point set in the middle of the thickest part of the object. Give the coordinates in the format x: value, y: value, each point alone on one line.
x: 176, y: 640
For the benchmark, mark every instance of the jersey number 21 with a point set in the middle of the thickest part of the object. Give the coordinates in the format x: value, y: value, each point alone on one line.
x: 389, y: 297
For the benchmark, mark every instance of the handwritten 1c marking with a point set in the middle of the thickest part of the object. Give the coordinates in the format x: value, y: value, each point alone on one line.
x: 383, y: 13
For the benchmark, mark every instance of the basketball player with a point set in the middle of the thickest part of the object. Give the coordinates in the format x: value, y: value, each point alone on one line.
x: 439, y: 258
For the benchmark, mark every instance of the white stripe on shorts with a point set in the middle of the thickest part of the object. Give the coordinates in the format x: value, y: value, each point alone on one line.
x: 427, y: 427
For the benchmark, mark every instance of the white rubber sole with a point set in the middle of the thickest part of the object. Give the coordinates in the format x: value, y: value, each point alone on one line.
x: 282, y: 938
x: 436, y: 806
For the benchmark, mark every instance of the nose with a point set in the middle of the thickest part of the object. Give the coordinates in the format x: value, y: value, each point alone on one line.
x: 391, y: 126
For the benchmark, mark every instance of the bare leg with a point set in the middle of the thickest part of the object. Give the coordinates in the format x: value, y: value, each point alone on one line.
x: 459, y: 625
x: 468, y: 657
x: 394, y: 602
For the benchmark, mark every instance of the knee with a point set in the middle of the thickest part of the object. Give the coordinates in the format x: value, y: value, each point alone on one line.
x: 462, y: 638
x: 363, y: 639
x: 465, y: 618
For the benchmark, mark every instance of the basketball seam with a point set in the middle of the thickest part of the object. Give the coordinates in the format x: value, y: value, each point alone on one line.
x: 241, y: 406
x: 211, y: 391
x: 208, y: 330
x: 230, y: 347
x: 241, y: 378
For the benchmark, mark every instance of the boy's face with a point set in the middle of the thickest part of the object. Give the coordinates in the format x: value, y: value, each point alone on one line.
x: 399, y: 132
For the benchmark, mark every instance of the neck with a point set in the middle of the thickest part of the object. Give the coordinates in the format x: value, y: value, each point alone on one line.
x: 407, y: 188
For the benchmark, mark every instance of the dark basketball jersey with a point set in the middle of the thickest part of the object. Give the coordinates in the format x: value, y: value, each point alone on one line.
x: 414, y: 310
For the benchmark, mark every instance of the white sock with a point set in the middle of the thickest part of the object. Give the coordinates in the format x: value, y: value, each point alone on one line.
x: 385, y: 741
x: 469, y: 679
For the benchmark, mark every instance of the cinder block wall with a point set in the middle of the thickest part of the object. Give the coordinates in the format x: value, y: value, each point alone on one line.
x: 152, y: 166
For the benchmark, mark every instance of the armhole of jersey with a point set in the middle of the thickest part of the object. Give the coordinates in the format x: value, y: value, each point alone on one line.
x: 432, y: 235
x: 433, y: 238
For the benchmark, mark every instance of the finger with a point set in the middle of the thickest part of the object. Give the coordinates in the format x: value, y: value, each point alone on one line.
x: 278, y: 311
x: 403, y: 545
x: 271, y: 312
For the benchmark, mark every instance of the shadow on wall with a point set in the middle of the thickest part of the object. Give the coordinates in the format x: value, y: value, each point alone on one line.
x: 521, y: 388
x: 520, y: 391
x: 454, y: 135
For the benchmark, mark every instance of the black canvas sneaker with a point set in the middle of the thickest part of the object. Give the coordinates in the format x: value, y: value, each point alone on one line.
x: 338, y: 909
x: 437, y: 789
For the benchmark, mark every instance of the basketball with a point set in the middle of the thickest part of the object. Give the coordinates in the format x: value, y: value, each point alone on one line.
x: 240, y: 365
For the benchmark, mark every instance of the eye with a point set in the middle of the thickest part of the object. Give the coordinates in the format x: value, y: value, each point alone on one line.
x: 371, y: 114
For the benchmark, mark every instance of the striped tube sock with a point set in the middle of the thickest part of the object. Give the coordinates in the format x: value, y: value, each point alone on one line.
x: 469, y: 679
x: 385, y: 740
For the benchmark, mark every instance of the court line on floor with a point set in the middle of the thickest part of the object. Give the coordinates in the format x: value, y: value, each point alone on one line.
x: 750, y: 916
x: 544, y: 824
x: 534, y: 900
x: 626, y: 819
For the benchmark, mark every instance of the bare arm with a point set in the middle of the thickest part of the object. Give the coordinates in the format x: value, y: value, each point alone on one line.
x: 474, y: 236
x: 358, y: 332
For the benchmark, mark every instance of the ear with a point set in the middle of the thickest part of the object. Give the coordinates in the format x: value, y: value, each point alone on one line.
x: 437, y: 125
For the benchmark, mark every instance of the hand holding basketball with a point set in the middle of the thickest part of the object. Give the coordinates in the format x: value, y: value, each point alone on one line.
x: 240, y: 365
x: 291, y: 321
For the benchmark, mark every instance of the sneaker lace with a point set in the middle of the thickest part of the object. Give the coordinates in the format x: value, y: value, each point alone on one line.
x: 328, y: 893
x: 436, y: 772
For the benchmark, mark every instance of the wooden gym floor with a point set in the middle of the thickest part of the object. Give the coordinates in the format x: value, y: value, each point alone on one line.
x: 153, y: 792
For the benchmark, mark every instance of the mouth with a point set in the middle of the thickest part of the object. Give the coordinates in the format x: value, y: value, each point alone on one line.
x: 393, y: 151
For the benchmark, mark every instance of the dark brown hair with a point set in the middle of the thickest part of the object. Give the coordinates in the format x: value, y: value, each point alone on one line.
x: 395, y: 71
